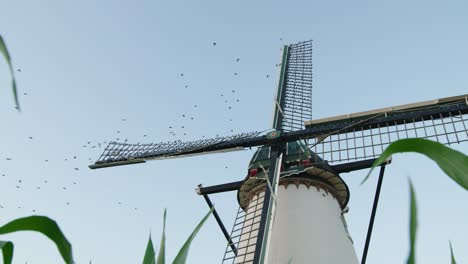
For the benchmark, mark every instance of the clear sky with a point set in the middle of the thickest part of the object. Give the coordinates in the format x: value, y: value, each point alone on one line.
x: 87, y: 65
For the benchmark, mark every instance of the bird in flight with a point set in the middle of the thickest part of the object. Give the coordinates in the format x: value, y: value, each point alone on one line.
x: 214, y: 44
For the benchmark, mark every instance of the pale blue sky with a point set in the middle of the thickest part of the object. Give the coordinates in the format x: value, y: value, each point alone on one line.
x: 85, y: 65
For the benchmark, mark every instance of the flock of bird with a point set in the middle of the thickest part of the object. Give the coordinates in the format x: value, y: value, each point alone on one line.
x: 174, y: 131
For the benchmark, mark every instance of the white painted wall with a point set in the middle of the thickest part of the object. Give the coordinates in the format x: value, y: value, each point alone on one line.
x: 308, y: 228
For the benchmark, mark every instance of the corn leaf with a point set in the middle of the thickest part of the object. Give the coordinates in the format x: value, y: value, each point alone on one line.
x: 413, y: 225
x: 7, y: 249
x: 162, y: 247
x: 452, y: 162
x: 149, y: 253
x: 45, y: 226
x: 181, y: 257
x: 6, y: 55
x: 451, y: 254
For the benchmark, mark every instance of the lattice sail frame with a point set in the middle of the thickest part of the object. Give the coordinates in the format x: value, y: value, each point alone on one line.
x: 118, y: 153
x: 362, y: 136
x: 244, y: 232
x: 297, y: 106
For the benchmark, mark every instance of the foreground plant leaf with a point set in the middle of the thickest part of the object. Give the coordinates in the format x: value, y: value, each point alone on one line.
x: 45, y: 226
x: 183, y: 253
x: 451, y: 253
x: 149, y: 253
x: 452, y: 162
x: 162, y: 247
x: 413, y: 225
x: 7, y: 250
x: 6, y: 55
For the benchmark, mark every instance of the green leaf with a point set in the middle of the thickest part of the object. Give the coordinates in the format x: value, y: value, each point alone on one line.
x: 149, y: 254
x: 162, y: 247
x: 183, y: 253
x: 413, y: 225
x: 452, y: 162
x: 451, y: 254
x: 6, y: 55
x: 45, y: 226
x: 7, y: 250
x: 4, y: 50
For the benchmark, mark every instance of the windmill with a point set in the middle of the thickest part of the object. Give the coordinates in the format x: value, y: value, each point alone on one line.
x: 293, y: 200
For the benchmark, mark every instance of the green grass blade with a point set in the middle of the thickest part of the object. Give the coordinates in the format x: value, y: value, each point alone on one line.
x: 4, y: 50
x: 6, y: 55
x: 7, y: 249
x: 451, y: 254
x: 45, y: 226
x: 162, y: 247
x: 149, y: 253
x: 183, y: 253
x: 452, y: 162
x: 413, y: 225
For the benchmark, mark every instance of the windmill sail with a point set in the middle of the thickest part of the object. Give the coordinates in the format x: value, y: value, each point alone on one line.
x: 117, y: 153
x: 293, y: 102
x: 365, y: 135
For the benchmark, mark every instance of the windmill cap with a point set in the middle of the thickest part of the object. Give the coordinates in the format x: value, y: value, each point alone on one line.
x: 319, y: 175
